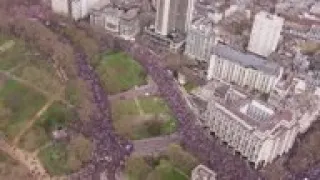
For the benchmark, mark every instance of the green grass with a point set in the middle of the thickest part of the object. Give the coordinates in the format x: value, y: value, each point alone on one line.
x: 62, y: 158
x: 54, y: 159
x: 40, y: 74
x: 14, y: 55
x: 189, y: 86
x: 23, y: 103
x: 153, y: 105
x: 157, y: 120
x: 165, y: 171
x: 57, y: 115
x: 119, y: 73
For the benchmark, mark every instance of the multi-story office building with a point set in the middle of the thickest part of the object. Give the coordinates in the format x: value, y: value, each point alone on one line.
x: 171, y: 16
x: 246, y: 70
x: 202, y: 172
x: 200, y: 39
x: 254, y: 128
x: 265, y: 33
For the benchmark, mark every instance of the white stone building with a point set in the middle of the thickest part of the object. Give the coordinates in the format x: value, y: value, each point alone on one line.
x: 200, y: 39
x: 265, y: 34
x: 107, y: 17
x: 255, y: 129
x: 202, y: 172
x: 245, y: 70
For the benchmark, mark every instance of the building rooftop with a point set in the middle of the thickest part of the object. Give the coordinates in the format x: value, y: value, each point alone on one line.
x: 246, y: 59
x: 238, y: 103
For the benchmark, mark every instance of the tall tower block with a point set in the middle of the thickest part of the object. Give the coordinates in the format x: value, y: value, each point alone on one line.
x: 265, y: 33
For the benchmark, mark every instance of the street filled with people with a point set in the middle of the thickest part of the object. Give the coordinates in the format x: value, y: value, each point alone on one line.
x: 111, y: 150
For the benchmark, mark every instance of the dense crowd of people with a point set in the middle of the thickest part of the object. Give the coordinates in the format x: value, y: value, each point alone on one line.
x: 110, y: 149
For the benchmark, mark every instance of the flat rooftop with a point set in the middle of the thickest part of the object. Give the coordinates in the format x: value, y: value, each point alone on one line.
x: 246, y: 59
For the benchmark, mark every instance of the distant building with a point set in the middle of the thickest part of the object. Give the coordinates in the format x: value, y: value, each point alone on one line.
x: 124, y: 22
x: 129, y: 24
x: 253, y: 127
x: 169, y: 29
x: 200, y: 39
x: 265, y: 33
x: 190, y: 12
x: 171, y: 16
x: 77, y: 9
x: 245, y: 70
x: 202, y: 172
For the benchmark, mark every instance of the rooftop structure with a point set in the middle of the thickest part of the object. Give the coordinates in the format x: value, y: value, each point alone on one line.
x: 202, y: 172
x: 265, y: 33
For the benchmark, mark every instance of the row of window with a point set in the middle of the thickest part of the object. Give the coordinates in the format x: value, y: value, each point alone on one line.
x: 234, y: 134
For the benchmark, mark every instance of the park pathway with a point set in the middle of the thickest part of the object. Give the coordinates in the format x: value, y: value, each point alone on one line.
x: 154, y: 145
x: 27, y: 159
x: 37, y: 116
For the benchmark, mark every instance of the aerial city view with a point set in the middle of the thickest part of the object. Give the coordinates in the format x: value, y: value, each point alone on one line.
x: 159, y: 89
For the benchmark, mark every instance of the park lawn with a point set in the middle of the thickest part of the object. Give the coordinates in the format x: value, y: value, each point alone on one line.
x: 119, y: 72
x: 54, y: 159
x: 62, y: 158
x: 57, y: 115
x: 174, y: 164
x: 41, y: 74
x: 157, y: 119
x: 166, y: 171
x: 23, y: 104
x: 14, y: 55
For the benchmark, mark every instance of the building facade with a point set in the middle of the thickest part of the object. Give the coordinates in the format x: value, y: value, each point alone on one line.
x: 202, y: 172
x: 245, y: 70
x: 254, y: 129
x: 200, y: 40
x: 129, y: 24
x: 171, y: 16
x: 77, y: 9
x: 265, y: 33
x: 163, y: 22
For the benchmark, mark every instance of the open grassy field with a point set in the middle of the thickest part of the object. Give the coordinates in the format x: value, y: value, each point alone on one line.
x: 62, y: 158
x: 39, y: 73
x: 142, y: 118
x: 166, y: 171
x: 119, y: 72
x: 12, y: 170
x: 174, y: 164
x: 19, y: 105
x: 12, y: 52
x: 57, y: 116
